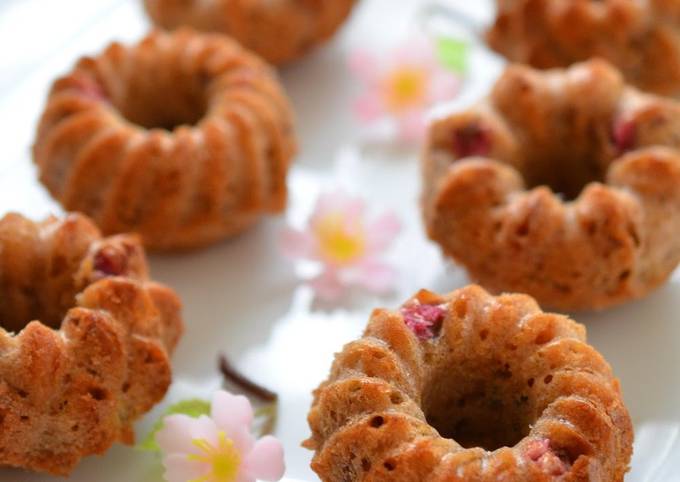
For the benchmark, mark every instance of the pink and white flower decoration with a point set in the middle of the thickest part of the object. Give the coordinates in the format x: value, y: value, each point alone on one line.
x: 402, y: 86
x: 346, y: 244
x: 219, y: 447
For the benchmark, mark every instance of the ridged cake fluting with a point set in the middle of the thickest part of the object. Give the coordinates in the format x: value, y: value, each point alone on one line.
x: 470, y: 387
x: 562, y: 184
x: 279, y: 31
x: 96, y: 356
x: 185, y: 138
x: 641, y: 38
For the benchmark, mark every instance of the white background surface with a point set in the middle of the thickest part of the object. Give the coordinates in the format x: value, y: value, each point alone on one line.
x: 242, y: 298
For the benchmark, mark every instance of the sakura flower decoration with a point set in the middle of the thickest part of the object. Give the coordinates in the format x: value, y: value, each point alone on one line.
x: 219, y: 447
x: 401, y: 86
x: 346, y: 246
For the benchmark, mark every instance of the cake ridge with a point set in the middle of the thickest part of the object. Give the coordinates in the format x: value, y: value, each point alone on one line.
x: 507, y: 391
x: 561, y: 205
x: 199, y: 155
x: 73, y: 388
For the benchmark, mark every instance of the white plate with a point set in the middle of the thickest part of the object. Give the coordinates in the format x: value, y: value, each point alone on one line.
x: 242, y: 298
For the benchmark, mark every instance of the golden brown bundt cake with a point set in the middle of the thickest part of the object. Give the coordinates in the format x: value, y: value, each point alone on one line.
x: 279, y: 30
x: 641, y: 38
x: 73, y: 383
x: 184, y: 138
x: 470, y: 387
x: 562, y: 184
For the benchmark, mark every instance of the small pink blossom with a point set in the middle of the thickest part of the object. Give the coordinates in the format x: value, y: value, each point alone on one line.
x: 423, y: 319
x: 540, y: 452
x: 219, y: 448
x: 402, y: 86
x: 346, y: 245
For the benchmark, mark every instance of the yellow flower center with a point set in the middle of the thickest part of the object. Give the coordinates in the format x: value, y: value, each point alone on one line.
x: 340, y: 241
x: 224, y: 460
x: 405, y: 87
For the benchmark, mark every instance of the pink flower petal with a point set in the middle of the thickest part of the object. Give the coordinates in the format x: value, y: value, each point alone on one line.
x: 369, y: 107
x: 338, y: 202
x: 412, y: 127
x: 296, y: 244
x: 376, y: 276
x: 326, y: 203
x: 382, y: 232
x: 328, y: 285
x: 363, y: 65
x: 443, y: 87
x: 233, y: 414
x: 243, y: 439
x: 341, y: 214
x: 228, y: 409
x: 174, y: 436
x: 204, y: 428
x: 352, y: 208
x: 244, y: 477
x: 418, y: 52
x: 178, y: 468
x: 265, y: 461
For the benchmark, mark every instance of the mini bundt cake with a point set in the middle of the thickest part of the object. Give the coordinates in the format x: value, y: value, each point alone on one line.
x: 564, y: 185
x: 184, y: 138
x: 641, y: 38
x: 73, y: 383
x: 470, y: 387
x: 280, y: 31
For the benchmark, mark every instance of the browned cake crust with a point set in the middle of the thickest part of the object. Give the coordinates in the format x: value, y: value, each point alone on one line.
x: 184, y: 138
x: 491, y: 176
x: 641, y: 38
x: 280, y: 30
x: 73, y: 383
x: 470, y: 387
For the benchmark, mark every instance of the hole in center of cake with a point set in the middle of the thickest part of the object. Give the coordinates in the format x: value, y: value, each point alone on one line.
x: 22, y: 303
x: 563, y: 174
x: 566, y: 164
x: 40, y: 288
x: 478, y: 404
x: 159, y: 99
